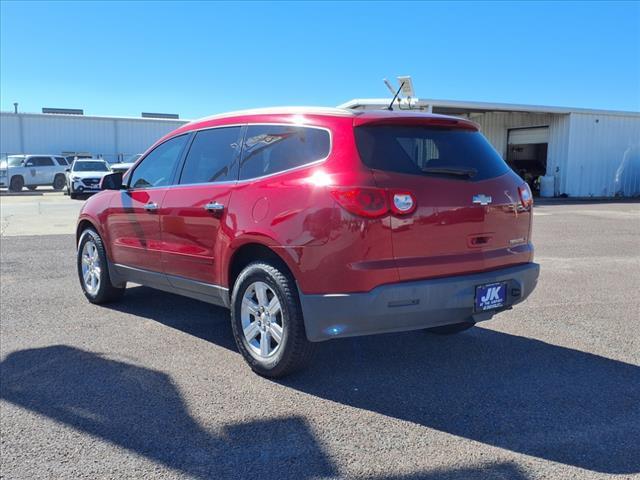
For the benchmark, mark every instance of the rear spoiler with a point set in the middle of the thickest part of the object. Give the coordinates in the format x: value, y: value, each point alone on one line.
x: 417, y: 120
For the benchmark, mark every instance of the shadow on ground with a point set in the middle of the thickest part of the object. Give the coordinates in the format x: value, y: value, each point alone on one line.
x: 141, y: 410
x: 511, y: 392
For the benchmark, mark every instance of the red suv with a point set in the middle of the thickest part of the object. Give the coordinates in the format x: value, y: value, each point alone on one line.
x: 313, y: 224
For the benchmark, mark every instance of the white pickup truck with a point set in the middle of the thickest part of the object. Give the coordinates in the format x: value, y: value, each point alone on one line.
x: 33, y: 171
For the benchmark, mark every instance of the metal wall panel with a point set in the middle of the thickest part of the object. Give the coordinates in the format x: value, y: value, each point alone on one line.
x: 54, y: 134
x: 604, y: 155
x: 558, y: 151
x: 10, y: 141
x: 494, y: 125
x: 134, y: 136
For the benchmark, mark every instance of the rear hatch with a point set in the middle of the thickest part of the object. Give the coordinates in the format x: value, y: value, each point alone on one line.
x: 469, y: 212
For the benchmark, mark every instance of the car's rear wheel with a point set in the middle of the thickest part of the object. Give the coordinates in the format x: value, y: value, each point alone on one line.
x: 267, y: 321
x: 451, y: 329
x: 93, y: 270
x: 59, y: 182
x: 16, y: 184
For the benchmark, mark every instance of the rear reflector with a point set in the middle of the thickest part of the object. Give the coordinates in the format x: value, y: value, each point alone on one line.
x: 402, y: 203
x: 526, y: 197
x: 371, y: 202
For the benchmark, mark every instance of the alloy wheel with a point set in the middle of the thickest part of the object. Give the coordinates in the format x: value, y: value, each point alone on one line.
x: 262, y: 320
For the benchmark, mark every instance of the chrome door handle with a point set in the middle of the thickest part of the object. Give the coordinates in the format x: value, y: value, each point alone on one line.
x: 151, y: 207
x: 214, y: 207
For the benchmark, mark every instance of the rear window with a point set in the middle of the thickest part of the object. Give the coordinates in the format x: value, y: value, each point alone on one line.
x: 452, y: 153
x: 270, y: 149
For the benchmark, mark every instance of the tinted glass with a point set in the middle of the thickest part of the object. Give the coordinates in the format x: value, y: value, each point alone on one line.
x: 273, y: 148
x: 61, y: 161
x: 41, y: 161
x: 82, y: 166
x: 212, y: 157
x: 425, y: 151
x: 157, y: 168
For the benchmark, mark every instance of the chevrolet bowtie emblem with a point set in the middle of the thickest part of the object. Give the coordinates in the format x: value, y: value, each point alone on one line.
x: 482, y: 199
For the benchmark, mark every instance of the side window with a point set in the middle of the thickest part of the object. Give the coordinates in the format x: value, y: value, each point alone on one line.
x: 273, y: 148
x: 157, y: 168
x: 61, y: 161
x: 213, y: 156
x: 41, y: 161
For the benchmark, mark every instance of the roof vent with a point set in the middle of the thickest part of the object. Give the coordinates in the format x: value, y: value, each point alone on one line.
x: 64, y: 111
x: 168, y: 116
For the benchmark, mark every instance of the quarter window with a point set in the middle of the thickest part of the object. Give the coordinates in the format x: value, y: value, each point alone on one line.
x: 274, y: 148
x: 213, y: 156
x: 156, y: 169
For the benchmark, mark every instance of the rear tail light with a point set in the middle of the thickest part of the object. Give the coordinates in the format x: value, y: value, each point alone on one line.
x: 525, y: 195
x: 363, y: 201
x: 371, y: 202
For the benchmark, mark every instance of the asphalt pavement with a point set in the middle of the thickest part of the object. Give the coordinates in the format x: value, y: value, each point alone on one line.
x: 153, y: 387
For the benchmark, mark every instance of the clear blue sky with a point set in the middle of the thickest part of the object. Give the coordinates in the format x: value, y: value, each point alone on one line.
x: 197, y: 59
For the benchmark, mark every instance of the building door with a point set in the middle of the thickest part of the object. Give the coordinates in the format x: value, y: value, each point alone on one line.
x: 527, y: 153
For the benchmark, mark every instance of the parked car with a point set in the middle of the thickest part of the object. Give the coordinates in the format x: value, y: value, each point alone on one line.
x: 121, y: 167
x: 84, y: 176
x: 314, y: 224
x: 33, y: 171
x: 76, y: 156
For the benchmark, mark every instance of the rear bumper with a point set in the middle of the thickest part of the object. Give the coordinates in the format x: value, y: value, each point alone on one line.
x: 410, y: 305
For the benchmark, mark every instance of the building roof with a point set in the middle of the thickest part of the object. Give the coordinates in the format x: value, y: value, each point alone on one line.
x: 94, y: 117
x: 457, y: 107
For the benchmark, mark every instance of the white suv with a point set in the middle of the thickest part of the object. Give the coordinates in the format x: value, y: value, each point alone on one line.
x: 33, y: 171
x: 84, y: 176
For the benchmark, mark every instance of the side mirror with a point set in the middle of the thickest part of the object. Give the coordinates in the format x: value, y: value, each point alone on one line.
x: 67, y: 170
x: 111, y: 181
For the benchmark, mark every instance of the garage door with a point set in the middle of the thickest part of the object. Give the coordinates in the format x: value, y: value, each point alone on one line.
x: 526, y: 136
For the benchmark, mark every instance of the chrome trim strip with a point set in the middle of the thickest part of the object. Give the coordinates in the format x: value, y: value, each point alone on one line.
x: 206, y: 292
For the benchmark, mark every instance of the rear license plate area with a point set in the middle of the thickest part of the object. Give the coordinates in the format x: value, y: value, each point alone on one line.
x: 490, y: 296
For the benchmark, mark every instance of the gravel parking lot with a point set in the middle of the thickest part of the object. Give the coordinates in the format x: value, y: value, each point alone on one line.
x: 153, y: 387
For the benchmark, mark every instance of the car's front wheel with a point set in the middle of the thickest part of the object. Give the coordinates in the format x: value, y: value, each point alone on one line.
x: 93, y: 270
x: 267, y: 321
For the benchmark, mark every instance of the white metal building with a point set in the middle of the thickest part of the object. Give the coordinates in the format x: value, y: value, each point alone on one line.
x: 580, y: 152
x: 111, y: 138
x: 577, y: 152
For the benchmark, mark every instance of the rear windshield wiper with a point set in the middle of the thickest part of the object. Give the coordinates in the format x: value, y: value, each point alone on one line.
x: 459, y: 171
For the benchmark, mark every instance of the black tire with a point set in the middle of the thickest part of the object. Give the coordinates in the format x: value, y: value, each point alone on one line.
x: 295, y: 351
x: 16, y: 184
x: 451, y: 329
x: 59, y: 182
x: 105, y: 292
x: 73, y: 196
x: 31, y: 188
